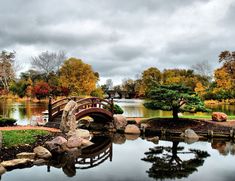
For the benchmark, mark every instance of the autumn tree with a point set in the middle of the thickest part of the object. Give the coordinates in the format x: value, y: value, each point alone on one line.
x: 186, y: 77
x: 175, y: 98
x: 6, y: 68
x: 48, y: 62
x: 150, y: 77
x: 129, y: 85
x: 41, y: 90
x: 78, y: 77
x: 228, y: 60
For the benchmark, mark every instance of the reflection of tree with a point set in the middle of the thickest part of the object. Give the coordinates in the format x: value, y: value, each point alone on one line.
x: 167, y: 164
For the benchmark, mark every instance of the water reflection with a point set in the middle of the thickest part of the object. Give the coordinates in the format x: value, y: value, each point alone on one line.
x: 135, y: 108
x: 166, y: 162
x: 223, y: 147
x: 119, y: 157
x: 22, y: 111
x: 86, y: 158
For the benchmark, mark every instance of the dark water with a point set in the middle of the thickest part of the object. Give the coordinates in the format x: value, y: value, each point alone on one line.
x: 214, y: 161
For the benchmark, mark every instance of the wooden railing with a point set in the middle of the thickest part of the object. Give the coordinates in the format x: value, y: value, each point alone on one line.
x: 56, y: 108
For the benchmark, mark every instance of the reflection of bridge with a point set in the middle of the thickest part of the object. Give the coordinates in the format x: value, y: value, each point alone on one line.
x: 93, y: 107
x: 95, y: 154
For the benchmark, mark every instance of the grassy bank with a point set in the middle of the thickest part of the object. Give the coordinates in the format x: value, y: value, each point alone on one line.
x: 21, y: 137
x: 208, y: 117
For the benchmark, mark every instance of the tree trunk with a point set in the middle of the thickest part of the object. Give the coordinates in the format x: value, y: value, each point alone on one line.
x: 175, y: 114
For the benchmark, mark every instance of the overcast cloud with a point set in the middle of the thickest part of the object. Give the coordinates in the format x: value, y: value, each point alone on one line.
x: 120, y: 38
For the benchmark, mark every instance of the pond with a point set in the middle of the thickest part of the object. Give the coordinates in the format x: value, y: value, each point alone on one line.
x: 136, y: 159
x: 135, y: 108
x: 24, y: 111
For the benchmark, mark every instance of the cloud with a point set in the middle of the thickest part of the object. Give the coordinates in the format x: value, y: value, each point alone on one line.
x: 120, y: 38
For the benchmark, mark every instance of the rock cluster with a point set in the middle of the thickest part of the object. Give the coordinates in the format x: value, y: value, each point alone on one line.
x: 190, y: 136
x: 121, y: 124
x: 42, y: 154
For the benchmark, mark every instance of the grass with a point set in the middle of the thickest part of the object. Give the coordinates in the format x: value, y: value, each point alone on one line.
x: 232, y: 117
x: 205, y: 117
x: 21, y: 137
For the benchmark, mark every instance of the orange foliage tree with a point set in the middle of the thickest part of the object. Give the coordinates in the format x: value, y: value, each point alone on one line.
x: 78, y: 77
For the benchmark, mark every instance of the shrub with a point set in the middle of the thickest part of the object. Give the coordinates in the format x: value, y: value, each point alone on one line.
x: 117, y: 109
x: 7, y: 121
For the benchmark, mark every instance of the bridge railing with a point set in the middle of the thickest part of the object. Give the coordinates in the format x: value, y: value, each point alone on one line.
x: 56, y: 107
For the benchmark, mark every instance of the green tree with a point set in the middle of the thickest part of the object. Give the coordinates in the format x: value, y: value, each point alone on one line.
x: 19, y: 88
x: 78, y: 77
x: 175, y: 98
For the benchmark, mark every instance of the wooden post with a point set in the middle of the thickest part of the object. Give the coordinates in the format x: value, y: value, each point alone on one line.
x: 111, y: 152
x: 50, y: 109
x: 231, y: 133
x: 210, y: 133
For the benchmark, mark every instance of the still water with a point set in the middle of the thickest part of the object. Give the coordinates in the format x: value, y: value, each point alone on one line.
x: 130, y: 158
x: 23, y: 111
x: 133, y: 160
x: 135, y: 108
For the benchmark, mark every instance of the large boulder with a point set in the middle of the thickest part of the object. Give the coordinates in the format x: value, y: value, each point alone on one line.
x: 82, y: 133
x: 74, y: 141
x: 58, y: 144
x: 85, y: 122
x: 190, y: 134
x: 42, y: 152
x: 16, y: 162
x: 27, y: 155
x: 219, y: 116
x: 68, y: 120
x: 119, y: 121
x: 132, y: 129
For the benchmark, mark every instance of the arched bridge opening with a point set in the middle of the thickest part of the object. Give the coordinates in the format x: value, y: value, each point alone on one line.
x: 97, y: 108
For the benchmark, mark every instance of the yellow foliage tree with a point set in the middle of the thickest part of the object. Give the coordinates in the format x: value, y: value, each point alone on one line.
x: 200, y: 89
x: 151, y: 77
x: 223, y: 80
x: 78, y: 77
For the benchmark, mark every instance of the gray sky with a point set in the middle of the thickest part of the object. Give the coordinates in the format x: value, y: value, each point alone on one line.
x: 120, y: 38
